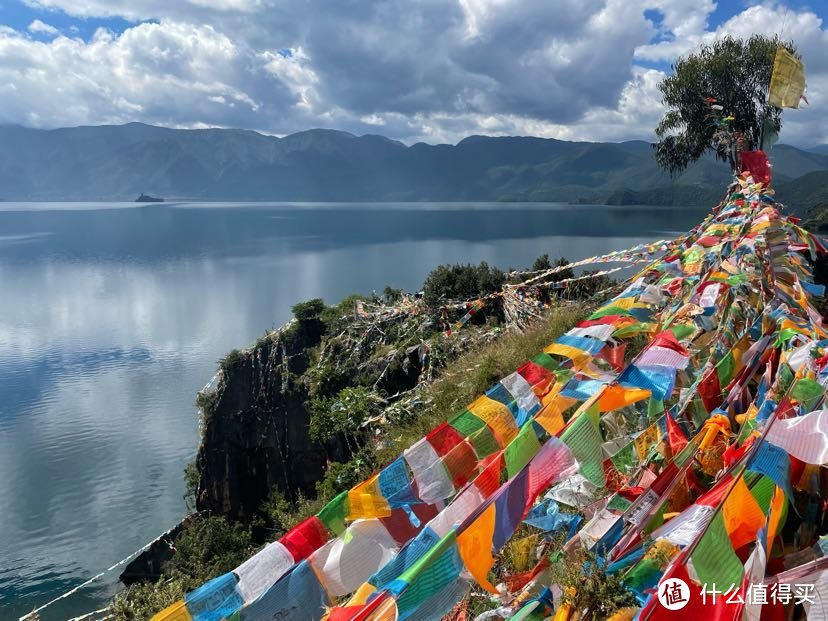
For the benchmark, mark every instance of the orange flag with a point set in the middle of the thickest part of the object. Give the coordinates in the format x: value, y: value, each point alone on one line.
x: 475, y: 544
x: 742, y: 515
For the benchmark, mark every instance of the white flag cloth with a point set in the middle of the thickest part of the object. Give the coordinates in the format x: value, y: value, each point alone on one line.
x: 818, y: 607
x: 754, y: 575
x: 432, y: 478
x: 804, y: 437
x: 522, y: 392
x: 344, y: 563
x: 600, y: 332
x: 262, y: 569
x: 683, y: 529
x: 465, y: 503
x: 663, y: 356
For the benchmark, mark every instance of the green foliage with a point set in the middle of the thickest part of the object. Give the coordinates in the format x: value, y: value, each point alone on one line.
x: 587, y: 586
x: 282, y: 514
x: 308, y: 311
x: 140, y: 601
x: 342, y: 476
x: 391, y: 295
x: 206, y: 548
x: 736, y: 72
x: 343, y: 414
x: 461, y: 282
x: 541, y: 263
x: 231, y: 361
x: 191, y: 479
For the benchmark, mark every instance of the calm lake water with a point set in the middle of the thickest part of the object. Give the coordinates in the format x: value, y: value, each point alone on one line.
x: 114, y: 315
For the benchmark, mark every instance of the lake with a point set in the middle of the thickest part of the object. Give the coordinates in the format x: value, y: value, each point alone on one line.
x: 114, y: 315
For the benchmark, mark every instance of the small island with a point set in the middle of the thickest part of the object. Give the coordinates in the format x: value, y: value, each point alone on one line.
x: 146, y: 198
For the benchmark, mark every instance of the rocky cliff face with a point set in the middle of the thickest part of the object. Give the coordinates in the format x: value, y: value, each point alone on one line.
x: 255, y: 415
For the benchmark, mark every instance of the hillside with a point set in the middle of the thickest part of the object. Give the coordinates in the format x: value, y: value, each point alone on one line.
x: 120, y: 162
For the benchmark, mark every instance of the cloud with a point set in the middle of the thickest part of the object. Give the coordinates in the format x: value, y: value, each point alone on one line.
x: 40, y: 27
x: 435, y: 70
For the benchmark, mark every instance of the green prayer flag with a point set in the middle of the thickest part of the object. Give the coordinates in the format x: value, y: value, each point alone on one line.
x: 477, y: 431
x: 806, y: 389
x: 786, y: 377
x: 644, y: 574
x: 618, y: 503
x: 682, y: 330
x: 784, y: 336
x: 624, y: 460
x: 655, y: 408
x: 522, y: 449
x: 763, y: 492
x: 546, y: 361
x: 333, y: 514
x: 725, y: 369
x: 714, y: 560
x: 436, y: 569
x: 583, y: 437
x: 632, y: 329
x: 609, y: 310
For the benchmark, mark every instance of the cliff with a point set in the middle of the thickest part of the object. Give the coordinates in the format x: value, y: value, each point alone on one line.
x: 256, y: 414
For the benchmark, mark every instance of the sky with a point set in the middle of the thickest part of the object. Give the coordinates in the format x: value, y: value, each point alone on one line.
x: 413, y: 70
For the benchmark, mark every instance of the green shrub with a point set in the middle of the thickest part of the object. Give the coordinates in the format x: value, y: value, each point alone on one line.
x: 191, y: 479
x: 343, y: 415
x: 587, y: 586
x: 206, y: 548
x: 461, y: 282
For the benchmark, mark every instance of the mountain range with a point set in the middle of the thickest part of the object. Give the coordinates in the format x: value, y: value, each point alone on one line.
x: 118, y: 162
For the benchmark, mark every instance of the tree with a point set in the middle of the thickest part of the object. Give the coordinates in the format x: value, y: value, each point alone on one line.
x: 736, y: 74
x: 461, y: 282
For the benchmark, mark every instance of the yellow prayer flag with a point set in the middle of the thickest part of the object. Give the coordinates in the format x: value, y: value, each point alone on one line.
x: 497, y: 416
x: 366, y: 501
x: 647, y: 438
x: 475, y: 545
x: 360, y: 598
x: 551, y: 415
x: 776, y: 515
x: 578, y: 357
x: 176, y: 612
x: 742, y: 515
x: 787, y: 80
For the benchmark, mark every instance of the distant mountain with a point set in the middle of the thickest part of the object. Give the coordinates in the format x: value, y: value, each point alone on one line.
x: 121, y: 162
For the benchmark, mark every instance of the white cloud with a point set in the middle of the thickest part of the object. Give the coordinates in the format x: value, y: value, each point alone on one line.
x: 432, y: 70
x: 40, y: 27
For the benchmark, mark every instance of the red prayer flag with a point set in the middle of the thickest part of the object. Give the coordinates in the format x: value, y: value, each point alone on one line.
x: 305, y: 538
x: 756, y: 163
x: 444, y: 438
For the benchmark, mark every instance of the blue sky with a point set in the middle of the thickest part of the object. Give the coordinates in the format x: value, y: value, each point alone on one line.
x: 433, y: 70
x: 18, y: 15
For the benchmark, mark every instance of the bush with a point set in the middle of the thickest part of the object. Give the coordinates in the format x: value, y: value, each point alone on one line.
x: 191, y: 479
x: 208, y: 548
x: 343, y: 415
x: 308, y: 311
x: 587, y: 586
x: 461, y: 282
